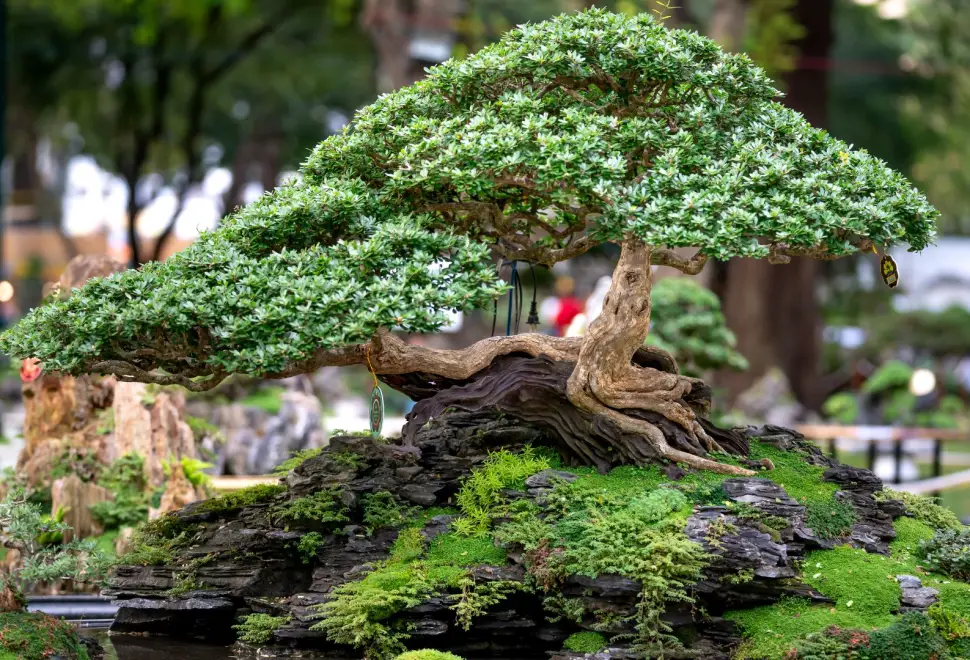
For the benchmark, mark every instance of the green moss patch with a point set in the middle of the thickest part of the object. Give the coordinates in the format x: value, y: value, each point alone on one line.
x: 865, y: 592
x: 359, y: 612
x: 35, y: 636
x: 427, y: 655
x: 241, y: 498
x: 585, y: 642
x: 321, y: 507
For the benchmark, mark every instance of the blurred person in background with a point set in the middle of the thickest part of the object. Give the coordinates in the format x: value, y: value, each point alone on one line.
x: 560, y: 310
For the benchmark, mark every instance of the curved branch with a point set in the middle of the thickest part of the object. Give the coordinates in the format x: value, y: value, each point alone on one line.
x: 691, y: 266
x: 385, y: 353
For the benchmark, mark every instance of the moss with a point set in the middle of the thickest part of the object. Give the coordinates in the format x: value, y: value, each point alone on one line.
x: 909, y: 532
x: 297, y: 459
x: 358, y: 613
x: 347, y: 459
x: 476, y: 598
x: 257, y: 629
x: 35, y: 636
x: 458, y: 550
x: 584, y: 642
x: 427, y: 655
x: 830, y: 520
x: 925, y: 509
x: 323, y: 506
x: 241, y: 498
x: 382, y: 509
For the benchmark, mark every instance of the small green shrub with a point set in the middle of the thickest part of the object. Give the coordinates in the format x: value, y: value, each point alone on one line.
x: 347, y: 459
x: 309, y: 546
x: 427, y: 655
x: 241, y: 498
x: 925, y: 509
x: 948, y: 623
x: 585, y: 642
x: 296, y: 460
x: 947, y: 552
x: 475, y: 598
x: 480, y: 498
x: 912, y: 636
x: 382, y: 509
x: 830, y: 520
x: 22, y: 524
x: 833, y: 643
x: 322, y: 506
x: 258, y: 629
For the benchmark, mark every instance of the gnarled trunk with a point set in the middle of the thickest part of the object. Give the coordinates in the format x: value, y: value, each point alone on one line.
x: 605, y: 399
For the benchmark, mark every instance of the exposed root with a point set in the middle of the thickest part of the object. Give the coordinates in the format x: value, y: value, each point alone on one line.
x: 656, y: 438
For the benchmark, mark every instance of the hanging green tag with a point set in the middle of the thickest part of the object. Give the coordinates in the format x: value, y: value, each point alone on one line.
x: 890, y: 273
x: 376, y: 411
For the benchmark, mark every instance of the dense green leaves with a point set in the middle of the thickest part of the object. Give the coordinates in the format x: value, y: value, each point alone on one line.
x: 214, y: 307
x: 656, y: 133
x: 585, y: 128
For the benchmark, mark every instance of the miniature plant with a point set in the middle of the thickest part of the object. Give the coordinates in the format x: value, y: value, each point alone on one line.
x: 309, y: 546
x: 427, y: 655
x: 22, y: 526
x: 322, y: 506
x: 382, y: 509
x: 257, y: 629
x: 585, y: 129
x: 947, y: 552
x: 476, y: 597
x: 481, y: 493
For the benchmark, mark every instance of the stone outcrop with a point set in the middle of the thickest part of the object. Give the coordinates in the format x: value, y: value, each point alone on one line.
x: 242, y: 563
x: 75, y: 497
x: 915, y: 597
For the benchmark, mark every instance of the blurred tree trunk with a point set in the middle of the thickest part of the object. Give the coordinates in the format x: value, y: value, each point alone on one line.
x: 773, y: 309
x: 256, y: 159
x: 393, y: 26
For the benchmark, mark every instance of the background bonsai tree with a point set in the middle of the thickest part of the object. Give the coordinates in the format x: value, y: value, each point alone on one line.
x: 588, y: 128
x: 688, y: 323
x: 44, y: 555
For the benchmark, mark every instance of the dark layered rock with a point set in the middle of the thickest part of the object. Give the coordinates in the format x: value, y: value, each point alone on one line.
x: 244, y: 563
x: 915, y: 597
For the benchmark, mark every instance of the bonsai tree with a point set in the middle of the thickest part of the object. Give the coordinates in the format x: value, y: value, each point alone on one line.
x: 45, y: 557
x: 588, y: 128
x: 689, y: 324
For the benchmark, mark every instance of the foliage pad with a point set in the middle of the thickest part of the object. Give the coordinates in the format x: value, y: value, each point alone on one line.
x: 586, y: 128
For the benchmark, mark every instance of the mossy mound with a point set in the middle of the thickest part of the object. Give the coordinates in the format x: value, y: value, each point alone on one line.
x: 35, y: 636
x: 480, y: 542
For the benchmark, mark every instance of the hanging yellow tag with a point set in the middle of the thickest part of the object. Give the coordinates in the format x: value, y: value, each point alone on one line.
x: 890, y: 273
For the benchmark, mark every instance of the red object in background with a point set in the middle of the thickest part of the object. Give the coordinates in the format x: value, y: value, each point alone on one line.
x: 569, y: 308
x: 30, y: 370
